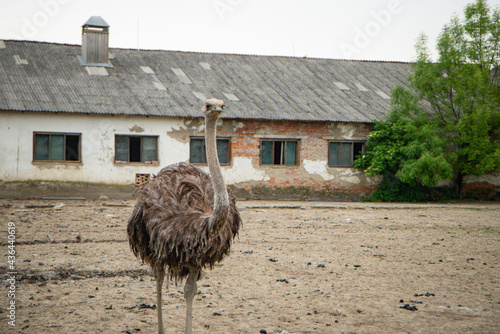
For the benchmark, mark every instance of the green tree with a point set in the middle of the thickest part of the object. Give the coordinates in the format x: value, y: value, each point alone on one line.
x: 406, y: 151
x: 447, y: 125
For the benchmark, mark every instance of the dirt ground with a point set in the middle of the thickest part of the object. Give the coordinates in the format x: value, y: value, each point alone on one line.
x: 298, y: 267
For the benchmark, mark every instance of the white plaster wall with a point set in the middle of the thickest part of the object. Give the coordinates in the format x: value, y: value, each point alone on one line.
x: 490, y: 178
x: 348, y: 176
x: 242, y: 170
x: 97, y: 151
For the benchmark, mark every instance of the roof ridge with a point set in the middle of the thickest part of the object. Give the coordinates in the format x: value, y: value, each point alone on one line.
x: 220, y: 53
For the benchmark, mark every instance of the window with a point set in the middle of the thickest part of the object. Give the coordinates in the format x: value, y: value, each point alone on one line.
x: 342, y: 154
x: 198, y: 155
x: 136, y: 149
x: 56, y: 147
x: 279, y: 152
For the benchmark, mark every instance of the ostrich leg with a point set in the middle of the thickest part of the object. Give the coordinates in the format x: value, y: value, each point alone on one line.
x: 190, y: 290
x: 160, y: 275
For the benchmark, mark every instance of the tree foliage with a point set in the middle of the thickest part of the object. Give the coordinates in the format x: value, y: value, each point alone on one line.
x: 447, y: 125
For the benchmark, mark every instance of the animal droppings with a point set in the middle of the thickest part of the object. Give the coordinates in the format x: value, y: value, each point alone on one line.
x: 153, y: 307
x: 427, y: 294
x: 409, y: 308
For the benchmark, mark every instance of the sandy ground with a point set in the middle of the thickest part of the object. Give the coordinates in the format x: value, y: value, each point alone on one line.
x: 299, y: 267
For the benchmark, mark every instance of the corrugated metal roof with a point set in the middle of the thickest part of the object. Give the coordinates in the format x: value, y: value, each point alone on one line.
x: 48, y: 77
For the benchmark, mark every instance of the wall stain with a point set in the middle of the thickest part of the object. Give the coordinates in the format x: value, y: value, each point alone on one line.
x: 136, y: 128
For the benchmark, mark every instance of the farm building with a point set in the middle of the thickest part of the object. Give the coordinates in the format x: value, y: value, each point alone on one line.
x: 87, y: 115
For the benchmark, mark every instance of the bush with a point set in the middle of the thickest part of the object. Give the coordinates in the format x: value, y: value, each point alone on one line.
x: 391, y: 189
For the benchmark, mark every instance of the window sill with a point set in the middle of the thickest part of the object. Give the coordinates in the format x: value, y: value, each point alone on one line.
x: 56, y: 162
x: 128, y: 163
x: 198, y: 164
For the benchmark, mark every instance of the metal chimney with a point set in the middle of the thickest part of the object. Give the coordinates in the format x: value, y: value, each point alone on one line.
x: 95, y: 43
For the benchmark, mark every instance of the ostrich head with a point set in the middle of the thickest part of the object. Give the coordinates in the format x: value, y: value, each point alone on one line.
x: 213, y: 107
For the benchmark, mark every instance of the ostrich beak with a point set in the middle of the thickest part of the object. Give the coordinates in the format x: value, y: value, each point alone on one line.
x: 219, y: 109
x: 214, y: 105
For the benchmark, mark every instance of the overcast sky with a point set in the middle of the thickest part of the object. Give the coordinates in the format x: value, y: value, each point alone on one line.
x: 341, y: 29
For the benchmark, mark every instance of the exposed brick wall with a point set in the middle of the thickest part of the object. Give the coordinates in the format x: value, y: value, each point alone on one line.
x: 312, y: 146
x: 295, y: 181
x: 479, y: 190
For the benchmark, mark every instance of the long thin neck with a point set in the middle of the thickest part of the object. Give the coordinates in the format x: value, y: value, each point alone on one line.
x: 221, y: 200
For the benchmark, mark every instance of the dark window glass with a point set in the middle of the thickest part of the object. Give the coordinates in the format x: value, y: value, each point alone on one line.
x: 279, y: 152
x: 198, y: 154
x: 267, y: 152
x: 149, y: 148
x: 334, y: 154
x: 278, y: 155
x: 291, y: 152
x: 136, y: 148
x: 345, y: 154
x: 121, y: 148
x: 56, y: 147
x: 223, y: 150
x: 357, y: 150
x: 72, y: 147
x: 342, y: 154
x: 42, y: 147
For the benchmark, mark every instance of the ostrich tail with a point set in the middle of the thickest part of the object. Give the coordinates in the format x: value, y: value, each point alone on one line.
x: 138, y: 237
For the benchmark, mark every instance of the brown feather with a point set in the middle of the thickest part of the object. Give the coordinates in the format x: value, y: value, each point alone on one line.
x: 169, y: 225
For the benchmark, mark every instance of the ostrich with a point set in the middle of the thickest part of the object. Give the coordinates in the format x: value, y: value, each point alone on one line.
x: 185, y: 219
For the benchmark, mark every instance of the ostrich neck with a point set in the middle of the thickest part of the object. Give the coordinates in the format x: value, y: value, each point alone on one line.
x: 221, y: 200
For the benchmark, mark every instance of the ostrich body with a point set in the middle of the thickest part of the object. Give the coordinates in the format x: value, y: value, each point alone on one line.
x: 185, y: 219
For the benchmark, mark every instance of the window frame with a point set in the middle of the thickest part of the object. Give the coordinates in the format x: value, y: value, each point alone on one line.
x: 352, y: 155
x: 284, y: 158
x: 142, y: 161
x: 64, y: 134
x: 203, y: 151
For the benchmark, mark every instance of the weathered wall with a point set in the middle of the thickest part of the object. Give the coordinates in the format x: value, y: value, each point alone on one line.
x: 97, y: 147
x: 311, y: 179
